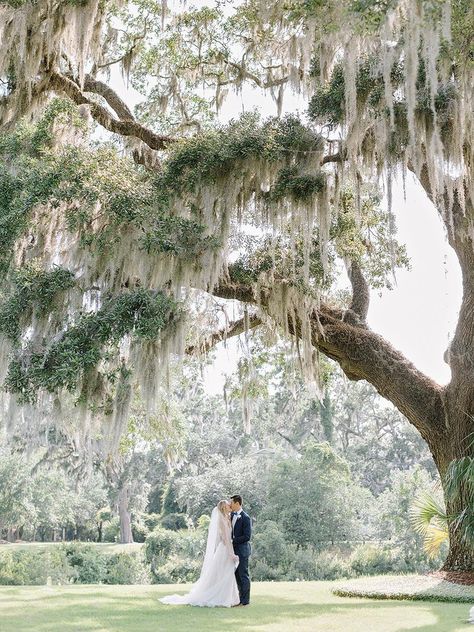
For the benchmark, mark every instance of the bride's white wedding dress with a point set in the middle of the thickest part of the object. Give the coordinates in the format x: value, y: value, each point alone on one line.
x: 216, y: 585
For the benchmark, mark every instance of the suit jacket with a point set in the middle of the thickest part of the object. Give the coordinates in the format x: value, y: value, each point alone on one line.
x: 241, y: 535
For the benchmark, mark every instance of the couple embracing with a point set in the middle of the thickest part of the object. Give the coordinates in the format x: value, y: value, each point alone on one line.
x: 224, y: 579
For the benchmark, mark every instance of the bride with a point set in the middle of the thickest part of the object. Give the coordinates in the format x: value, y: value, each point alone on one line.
x: 216, y: 585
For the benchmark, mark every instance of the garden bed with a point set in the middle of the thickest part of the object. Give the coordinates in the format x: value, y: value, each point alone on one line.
x: 426, y: 587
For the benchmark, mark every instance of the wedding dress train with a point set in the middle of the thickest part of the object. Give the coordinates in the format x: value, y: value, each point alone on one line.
x: 216, y: 585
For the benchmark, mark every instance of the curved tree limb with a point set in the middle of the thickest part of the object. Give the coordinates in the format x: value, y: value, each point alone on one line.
x: 363, y: 354
x: 235, y: 329
x: 119, y: 106
x: 128, y: 128
x: 358, y: 310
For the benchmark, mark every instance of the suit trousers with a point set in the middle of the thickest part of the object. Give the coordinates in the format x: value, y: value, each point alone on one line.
x: 243, y: 579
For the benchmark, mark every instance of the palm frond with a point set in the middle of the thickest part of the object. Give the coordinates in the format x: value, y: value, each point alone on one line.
x: 459, y: 479
x: 428, y: 518
x: 434, y: 539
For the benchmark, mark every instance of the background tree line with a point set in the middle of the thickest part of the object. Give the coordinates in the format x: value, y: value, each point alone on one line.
x: 329, y: 483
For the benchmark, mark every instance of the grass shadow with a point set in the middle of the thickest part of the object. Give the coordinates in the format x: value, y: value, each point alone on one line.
x: 138, y: 610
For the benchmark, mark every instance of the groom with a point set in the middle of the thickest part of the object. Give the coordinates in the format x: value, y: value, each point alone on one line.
x: 241, y: 532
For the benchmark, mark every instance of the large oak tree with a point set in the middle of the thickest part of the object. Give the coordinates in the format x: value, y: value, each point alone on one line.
x: 98, y: 254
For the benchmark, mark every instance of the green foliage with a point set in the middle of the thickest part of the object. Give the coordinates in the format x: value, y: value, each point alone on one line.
x: 174, y: 521
x: 90, y: 566
x: 200, y: 492
x: 461, y: 47
x: 328, y: 103
x: 371, y: 560
x: 178, y: 570
x: 178, y: 236
x: 364, y: 232
x: 19, y: 193
x: 34, y: 140
x: 35, y: 567
x: 14, y: 482
x: 175, y: 557
x: 394, y: 506
x: 126, y: 568
x: 142, y: 313
x: 169, y: 503
x: 276, y: 559
x: 75, y: 562
x: 111, y: 532
x: 314, y: 497
x: 32, y: 288
x: 459, y: 492
x: 33, y: 173
x: 371, y: 14
x: 205, y: 158
x: 428, y: 517
x: 159, y: 544
x: 327, y: 106
x: 296, y: 186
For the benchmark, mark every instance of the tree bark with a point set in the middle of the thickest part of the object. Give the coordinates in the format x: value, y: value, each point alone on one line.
x: 126, y: 536
x: 444, y: 416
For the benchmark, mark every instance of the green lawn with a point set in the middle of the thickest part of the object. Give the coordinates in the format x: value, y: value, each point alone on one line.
x: 276, y: 607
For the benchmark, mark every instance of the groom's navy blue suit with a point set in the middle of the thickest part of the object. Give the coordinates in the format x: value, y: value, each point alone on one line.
x: 241, y: 534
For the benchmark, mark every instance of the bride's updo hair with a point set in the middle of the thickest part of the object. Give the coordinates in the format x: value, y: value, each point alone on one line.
x: 223, y: 507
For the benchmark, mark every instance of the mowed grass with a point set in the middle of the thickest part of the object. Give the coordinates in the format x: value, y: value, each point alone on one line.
x: 275, y: 607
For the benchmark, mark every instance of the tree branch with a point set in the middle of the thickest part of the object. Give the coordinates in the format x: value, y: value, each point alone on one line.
x: 357, y: 312
x: 236, y: 328
x: 126, y: 128
x: 119, y: 106
x: 362, y: 354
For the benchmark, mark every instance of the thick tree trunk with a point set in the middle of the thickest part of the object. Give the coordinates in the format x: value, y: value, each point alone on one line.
x: 460, y: 555
x: 444, y: 416
x: 457, y: 444
x: 126, y: 536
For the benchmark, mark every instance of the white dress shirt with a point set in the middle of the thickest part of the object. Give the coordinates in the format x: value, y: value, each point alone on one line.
x: 235, y: 517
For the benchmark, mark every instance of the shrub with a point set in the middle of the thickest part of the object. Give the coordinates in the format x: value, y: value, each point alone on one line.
x: 178, y: 570
x: 368, y: 559
x: 139, y: 530
x: 269, y: 545
x: 111, y: 530
x: 35, y: 567
x: 174, y: 521
x: 151, y: 521
x: 309, y: 564
x: 175, y: 556
x: 126, y: 568
x: 159, y: 546
x: 89, y: 564
x: 262, y: 571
